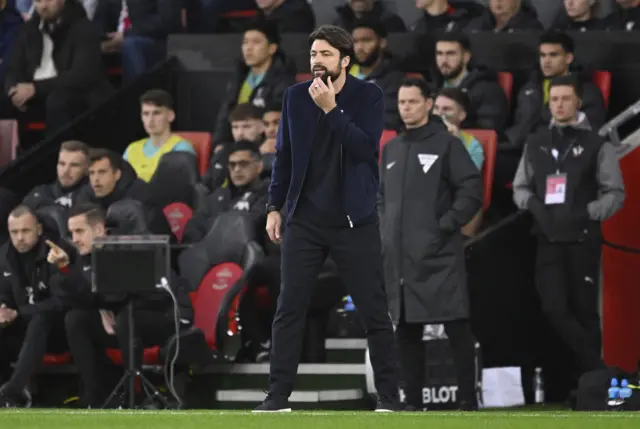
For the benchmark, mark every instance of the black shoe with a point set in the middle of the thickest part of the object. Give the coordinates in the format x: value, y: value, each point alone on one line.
x: 387, y: 405
x: 273, y: 404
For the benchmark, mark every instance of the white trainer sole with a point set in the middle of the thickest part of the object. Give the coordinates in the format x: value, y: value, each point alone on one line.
x: 284, y: 410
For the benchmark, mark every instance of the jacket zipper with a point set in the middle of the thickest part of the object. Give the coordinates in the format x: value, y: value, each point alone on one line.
x: 304, y: 175
x: 400, y: 235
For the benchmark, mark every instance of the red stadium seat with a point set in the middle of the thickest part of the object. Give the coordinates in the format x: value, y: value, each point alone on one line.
x: 202, y: 143
x: 602, y: 79
x: 57, y: 359
x: 414, y: 75
x: 489, y: 141
x: 240, y: 14
x: 303, y: 77
x: 150, y: 356
x: 505, y: 80
x: 386, y: 136
x: 35, y: 126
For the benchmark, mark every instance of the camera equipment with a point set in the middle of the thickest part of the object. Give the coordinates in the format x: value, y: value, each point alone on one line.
x: 131, y: 266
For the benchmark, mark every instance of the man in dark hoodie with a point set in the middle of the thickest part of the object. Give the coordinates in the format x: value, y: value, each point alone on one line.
x: 373, y: 10
x: 506, y: 16
x: 532, y: 103
x: 580, y: 15
x: 245, y: 192
x: 94, y: 323
x: 56, y: 61
x: 113, y: 179
x: 374, y: 63
x: 262, y: 76
x: 72, y: 169
x: 443, y: 16
x: 489, y: 108
x: 626, y: 15
x: 290, y: 16
x: 30, y: 312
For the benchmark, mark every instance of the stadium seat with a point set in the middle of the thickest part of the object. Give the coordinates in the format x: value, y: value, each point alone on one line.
x: 150, y: 356
x: 303, y: 77
x: 489, y: 141
x: 217, y: 275
x: 240, y: 14
x: 414, y: 75
x: 202, y: 144
x: 56, y: 359
x: 173, y: 187
x: 505, y: 80
x: 386, y: 136
x: 602, y: 79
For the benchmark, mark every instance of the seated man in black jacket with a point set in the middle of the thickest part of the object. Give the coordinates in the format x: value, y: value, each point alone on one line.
x: 56, y: 61
x: 246, y: 192
x: 96, y: 322
x: 30, y: 313
x: 72, y: 169
x: 113, y: 179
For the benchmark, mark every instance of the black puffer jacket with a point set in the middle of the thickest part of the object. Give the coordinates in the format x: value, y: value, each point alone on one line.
x: 456, y: 18
x: 280, y: 76
x: 392, y: 22
x: 54, y: 193
x: 293, y: 16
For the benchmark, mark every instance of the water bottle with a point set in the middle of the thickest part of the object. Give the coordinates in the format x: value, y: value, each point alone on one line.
x: 348, y: 304
x: 538, y: 385
x: 614, y: 393
x: 625, y: 390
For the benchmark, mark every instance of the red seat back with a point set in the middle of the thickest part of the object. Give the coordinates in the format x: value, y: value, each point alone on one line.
x: 505, y: 80
x: 201, y: 142
x: 602, y: 79
x: 489, y: 141
x: 303, y: 77
x: 209, y: 296
x: 414, y: 75
x: 178, y: 214
x: 386, y: 136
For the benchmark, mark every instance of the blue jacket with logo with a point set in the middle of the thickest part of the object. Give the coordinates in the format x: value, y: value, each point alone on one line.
x: 357, y: 123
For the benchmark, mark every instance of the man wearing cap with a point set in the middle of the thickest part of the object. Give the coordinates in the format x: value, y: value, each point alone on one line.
x: 429, y: 189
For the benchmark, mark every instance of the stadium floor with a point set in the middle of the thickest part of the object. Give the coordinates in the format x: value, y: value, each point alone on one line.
x: 524, y: 419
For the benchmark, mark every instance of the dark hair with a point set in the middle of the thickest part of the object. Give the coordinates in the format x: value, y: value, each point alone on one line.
x: 458, y: 38
x: 75, y: 146
x: 268, y: 28
x: 245, y: 145
x: 244, y: 112
x: 158, y: 98
x: 22, y: 210
x: 568, y: 80
x: 272, y: 107
x: 421, y: 84
x: 115, y: 159
x: 93, y: 212
x: 378, y: 27
x: 337, y: 37
x: 557, y: 38
x: 457, y: 95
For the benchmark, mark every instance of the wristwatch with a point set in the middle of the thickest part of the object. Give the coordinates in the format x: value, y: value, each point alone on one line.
x: 272, y: 208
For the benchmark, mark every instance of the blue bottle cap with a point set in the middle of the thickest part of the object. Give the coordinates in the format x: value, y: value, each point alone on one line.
x: 614, y: 382
x: 624, y: 383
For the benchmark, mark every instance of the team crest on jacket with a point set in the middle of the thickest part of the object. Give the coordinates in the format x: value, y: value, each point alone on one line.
x: 426, y: 160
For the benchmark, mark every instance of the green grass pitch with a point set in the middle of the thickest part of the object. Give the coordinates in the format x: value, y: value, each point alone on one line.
x: 76, y: 419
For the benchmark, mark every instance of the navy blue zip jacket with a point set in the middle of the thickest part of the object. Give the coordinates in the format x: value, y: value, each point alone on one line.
x: 357, y: 123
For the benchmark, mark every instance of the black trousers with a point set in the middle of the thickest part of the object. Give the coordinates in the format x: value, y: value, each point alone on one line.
x: 26, y: 343
x: 357, y: 253
x: 88, y: 340
x: 567, y: 279
x: 413, y: 360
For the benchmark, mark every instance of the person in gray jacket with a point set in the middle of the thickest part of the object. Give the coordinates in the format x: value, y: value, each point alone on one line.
x: 429, y: 189
x: 570, y: 181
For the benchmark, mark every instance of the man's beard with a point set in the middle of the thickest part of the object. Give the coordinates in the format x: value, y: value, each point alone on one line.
x: 371, y: 59
x: 453, y: 73
x: 334, y: 75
